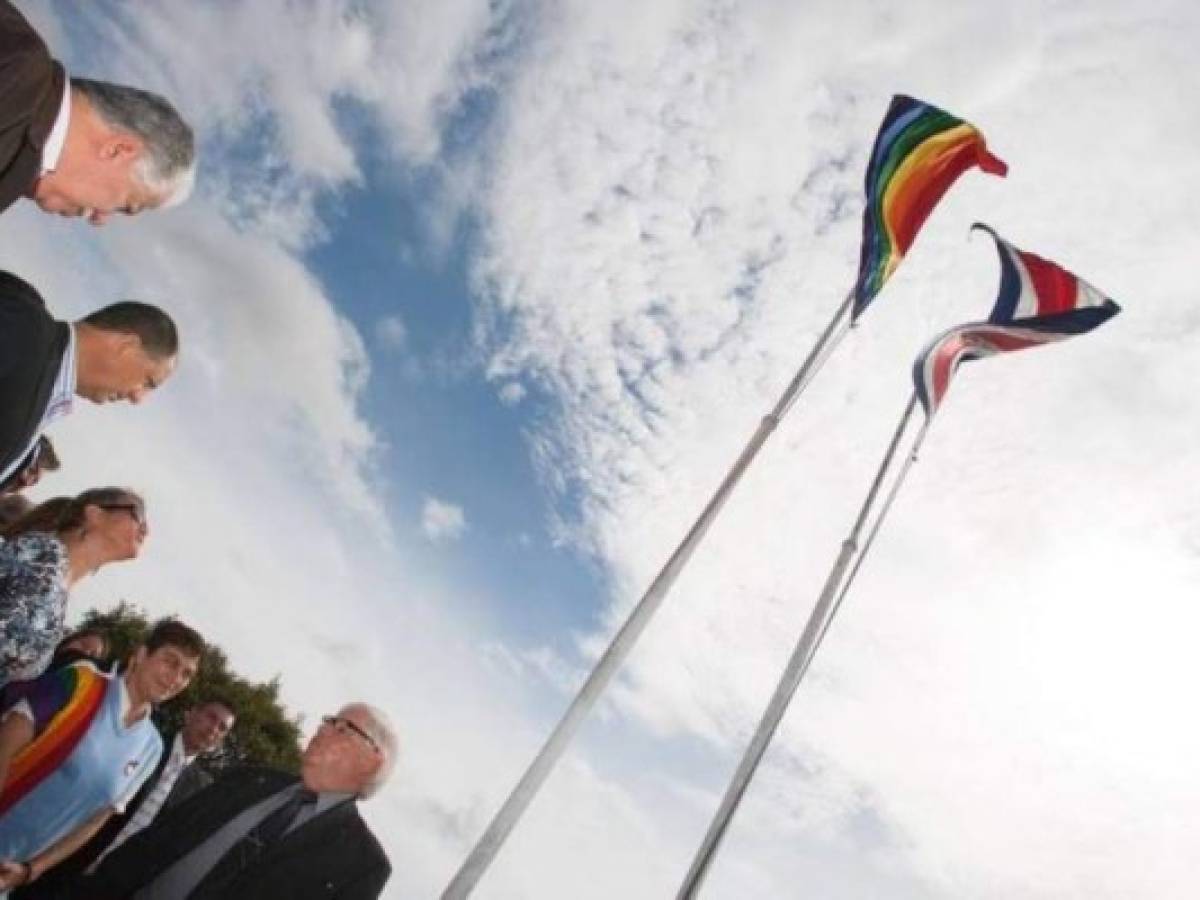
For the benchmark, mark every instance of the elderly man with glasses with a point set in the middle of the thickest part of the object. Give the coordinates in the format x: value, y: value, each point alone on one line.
x: 259, y: 834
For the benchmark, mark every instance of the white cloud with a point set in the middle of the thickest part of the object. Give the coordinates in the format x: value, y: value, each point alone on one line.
x: 442, y: 521
x: 512, y: 393
x: 391, y: 332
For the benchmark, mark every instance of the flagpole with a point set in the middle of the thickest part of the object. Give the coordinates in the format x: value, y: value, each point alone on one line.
x: 489, y: 844
x: 797, y: 665
x: 887, y: 505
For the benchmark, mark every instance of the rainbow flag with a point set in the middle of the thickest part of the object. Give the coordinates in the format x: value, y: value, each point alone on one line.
x: 920, y: 151
x: 69, y: 698
x: 1039, y: 303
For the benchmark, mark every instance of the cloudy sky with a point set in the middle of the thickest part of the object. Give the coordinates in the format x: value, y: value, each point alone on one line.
x: 480, y: 301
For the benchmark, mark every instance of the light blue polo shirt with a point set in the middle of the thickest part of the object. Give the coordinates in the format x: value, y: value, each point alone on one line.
x: 105, y: 770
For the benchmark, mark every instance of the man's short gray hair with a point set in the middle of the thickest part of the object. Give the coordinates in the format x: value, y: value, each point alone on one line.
x: 168, y: 166
x: 379, y: 727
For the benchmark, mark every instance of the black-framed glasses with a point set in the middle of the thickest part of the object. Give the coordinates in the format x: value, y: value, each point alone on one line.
x: 341, y: 724
x: 134, y: 510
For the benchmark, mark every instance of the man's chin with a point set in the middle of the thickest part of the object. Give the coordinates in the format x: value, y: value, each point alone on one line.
x: 67, y: 212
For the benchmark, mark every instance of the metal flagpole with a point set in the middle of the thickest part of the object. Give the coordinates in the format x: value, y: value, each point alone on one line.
x: 485, y: 850
x: 883, y: 511
x: 814, y: 629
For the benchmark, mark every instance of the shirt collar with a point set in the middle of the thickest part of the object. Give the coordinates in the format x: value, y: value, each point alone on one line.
x: 62, y: 395
x: 178, y: 750
x: 57, y: 139
x: 70, y: 364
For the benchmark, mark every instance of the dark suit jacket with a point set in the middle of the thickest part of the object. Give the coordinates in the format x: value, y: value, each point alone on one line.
x: 31, y: 91
x: 333, y: 855
x: 32, y: 343
x: 191, y: 781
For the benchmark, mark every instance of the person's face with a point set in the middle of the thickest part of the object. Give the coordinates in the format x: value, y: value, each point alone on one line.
x: 125, y: 371
x: 89, y: 644
x: 97, y: 182
x: 205, y: 727
x: 341, y: 754
x: 122, y: 524
x: 161, y: 675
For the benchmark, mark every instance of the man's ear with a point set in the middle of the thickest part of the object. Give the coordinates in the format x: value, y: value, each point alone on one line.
x: 121, y: 147
x: 126, y: 342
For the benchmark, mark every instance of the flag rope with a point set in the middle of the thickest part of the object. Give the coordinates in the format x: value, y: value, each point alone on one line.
x: 806, y: 647
x: 493, y: 838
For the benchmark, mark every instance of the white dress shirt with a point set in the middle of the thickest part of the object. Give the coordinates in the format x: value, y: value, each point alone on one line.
x: 57, y: 138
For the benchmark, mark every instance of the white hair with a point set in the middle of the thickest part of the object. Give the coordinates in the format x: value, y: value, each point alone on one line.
x: 168, y: 165
x: 379, y: 727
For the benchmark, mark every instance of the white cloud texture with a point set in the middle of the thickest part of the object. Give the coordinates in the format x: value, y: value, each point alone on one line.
x: 512, y: 393
x: 391, y: 332
x: 442, y: 521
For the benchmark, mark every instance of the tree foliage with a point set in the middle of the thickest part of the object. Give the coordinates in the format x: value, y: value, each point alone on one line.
x: 264, y: 733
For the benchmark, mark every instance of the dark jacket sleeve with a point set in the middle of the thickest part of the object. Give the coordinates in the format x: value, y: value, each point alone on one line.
x: 25, y: 66
x: 31, y: 90
x: 369, y: 886
x: 146, y: 853
x: 18, y: 321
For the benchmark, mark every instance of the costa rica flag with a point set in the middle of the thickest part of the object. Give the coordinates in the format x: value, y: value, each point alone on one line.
x: 1039, y: 303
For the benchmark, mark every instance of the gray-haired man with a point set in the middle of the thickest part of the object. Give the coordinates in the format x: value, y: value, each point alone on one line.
x: 258, y: 834
x: 79, y: 147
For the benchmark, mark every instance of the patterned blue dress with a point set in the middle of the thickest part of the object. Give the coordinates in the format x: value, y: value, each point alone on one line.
x: 33, y: 603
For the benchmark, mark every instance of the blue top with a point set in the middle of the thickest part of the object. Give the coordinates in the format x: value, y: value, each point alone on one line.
x: 105, y: 770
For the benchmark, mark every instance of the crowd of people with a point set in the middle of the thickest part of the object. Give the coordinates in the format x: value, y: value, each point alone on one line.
x: 94, y: 801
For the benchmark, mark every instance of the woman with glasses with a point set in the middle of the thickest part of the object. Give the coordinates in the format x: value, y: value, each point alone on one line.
x: 43, y: 555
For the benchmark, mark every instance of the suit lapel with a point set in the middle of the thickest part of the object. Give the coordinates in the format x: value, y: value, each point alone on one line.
x: 314, y: 860
x: 326, y: 828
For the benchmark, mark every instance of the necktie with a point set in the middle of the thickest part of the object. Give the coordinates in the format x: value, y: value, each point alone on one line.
x: 249, y: 849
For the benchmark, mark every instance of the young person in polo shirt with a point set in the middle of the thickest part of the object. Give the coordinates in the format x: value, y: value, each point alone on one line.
x: 99, y: 726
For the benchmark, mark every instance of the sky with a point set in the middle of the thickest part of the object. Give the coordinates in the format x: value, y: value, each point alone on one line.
x: 479, y: 302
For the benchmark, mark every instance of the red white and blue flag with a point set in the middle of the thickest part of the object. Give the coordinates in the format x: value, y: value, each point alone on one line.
x: 1039, y: 303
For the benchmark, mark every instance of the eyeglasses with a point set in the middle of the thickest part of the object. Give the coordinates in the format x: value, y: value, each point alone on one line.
x: 135, y: 511
x: 341, y: 725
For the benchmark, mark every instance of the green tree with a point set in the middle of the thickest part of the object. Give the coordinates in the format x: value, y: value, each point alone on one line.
x: 264, y: 734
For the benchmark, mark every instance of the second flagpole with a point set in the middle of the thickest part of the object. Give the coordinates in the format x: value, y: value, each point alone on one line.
x: 797, y: 665
x: 489, y: 844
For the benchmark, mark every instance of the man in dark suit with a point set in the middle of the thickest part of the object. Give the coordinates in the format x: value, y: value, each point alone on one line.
x: 121, y: 352
x: 176, y: 778
x: 259, y: 834
x: 79, y: 147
